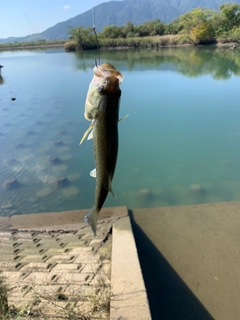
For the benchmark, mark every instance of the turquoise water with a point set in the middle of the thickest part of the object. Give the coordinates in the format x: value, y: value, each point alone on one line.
x: 183, y: 128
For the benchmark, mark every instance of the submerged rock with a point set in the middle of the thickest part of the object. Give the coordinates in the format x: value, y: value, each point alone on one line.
x: 13, y: 99
x: 69, y: 122
x: 145, y: 196
x: 20, y: 146
x: 58, y: 143
x: 197, y: 189
x: 13, y: 213
x: 70, y: 192
x: 11, y: 162
x: 39, y: 123
x: 62, y: 182
x: 8, y: 210
x: 11, y: 184
x: 7, y: 206
x: 54, y: 161
x: 30, y: 133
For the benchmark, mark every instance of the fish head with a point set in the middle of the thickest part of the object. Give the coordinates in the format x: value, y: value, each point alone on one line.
x: 107, y: 70
x: 111, y: 78
x: 106, y: 80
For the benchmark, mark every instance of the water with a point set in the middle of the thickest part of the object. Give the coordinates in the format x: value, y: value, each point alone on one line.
x: 180, y: 143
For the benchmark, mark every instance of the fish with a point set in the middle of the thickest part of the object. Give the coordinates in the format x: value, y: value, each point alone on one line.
x: 102, y: 109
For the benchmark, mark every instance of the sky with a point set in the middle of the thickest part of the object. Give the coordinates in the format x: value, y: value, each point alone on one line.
x: 23, y: 17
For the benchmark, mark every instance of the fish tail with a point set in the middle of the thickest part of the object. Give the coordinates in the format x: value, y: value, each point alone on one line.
x: 91, y: 219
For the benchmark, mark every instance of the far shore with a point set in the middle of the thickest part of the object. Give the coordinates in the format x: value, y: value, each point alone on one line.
x: 58, y: 45
x: 61, y: 45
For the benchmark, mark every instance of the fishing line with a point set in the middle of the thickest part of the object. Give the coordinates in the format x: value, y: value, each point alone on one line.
x: 98, y: 48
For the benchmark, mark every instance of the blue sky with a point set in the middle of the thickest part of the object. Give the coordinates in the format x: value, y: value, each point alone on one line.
x: 23, y: 17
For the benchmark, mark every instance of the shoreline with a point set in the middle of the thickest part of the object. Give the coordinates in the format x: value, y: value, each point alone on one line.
x: 33, y: 47
x: 219, y: 44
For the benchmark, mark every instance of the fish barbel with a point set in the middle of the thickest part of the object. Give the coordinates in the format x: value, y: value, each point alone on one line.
x: 102, y: 108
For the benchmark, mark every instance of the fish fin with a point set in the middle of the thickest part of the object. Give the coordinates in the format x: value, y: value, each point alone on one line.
x: 90, y: 136
x: 93, y: 173
x: 120, y: 78
x: 86, y: 133
x: 120, y: 120
x: 110, y: 189
x: 91, y: 219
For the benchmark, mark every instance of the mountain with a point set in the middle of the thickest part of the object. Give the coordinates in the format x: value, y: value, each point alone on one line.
x: 119, y: 12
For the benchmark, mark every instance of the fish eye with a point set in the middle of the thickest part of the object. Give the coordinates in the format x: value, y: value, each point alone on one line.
x: 101, y: 89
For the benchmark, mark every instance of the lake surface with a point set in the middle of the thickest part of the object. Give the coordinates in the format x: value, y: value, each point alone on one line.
x: 180, y: 144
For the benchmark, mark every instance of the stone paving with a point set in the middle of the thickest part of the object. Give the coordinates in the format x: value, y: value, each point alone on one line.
x: 57, y: 274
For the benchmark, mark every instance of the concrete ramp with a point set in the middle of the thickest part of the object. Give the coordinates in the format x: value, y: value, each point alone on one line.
x: 190, y: 259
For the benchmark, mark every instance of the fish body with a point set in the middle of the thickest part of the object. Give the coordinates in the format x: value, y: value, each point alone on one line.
x: 102, y: 108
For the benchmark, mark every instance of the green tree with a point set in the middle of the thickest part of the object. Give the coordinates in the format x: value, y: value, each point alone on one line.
x: 229, y: 17
x: 128, y: 30
x: 196, y: 25
x: 203, y: 32
x: 111, y: 32
x: 173, y: 27
x: 83, y: 37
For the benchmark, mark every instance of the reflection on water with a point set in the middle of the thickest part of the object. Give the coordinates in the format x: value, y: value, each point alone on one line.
x: 180, y: 144
x: 220, y: 63
x: 1, y: 80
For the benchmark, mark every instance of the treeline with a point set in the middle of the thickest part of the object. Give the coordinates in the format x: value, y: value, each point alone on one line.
x: 199, y: 26
x: 39, y: 43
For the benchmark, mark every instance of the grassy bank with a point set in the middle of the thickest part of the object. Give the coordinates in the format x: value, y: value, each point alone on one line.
x: 32, y: 44
x: 154, y: 42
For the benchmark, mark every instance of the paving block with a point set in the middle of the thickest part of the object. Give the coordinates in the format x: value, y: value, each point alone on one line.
x: 76, y: 244
x: 87, y: 236
x: 31, y: 258
x: 100, y: 280
x: 54, y: 251
x: 62, y: 259
x: 84, y: 259
x: 12, y: 277
x: 73, y: 278
x: 27, y: 251
x: 106, y: 269
x: 36, y: 267
x: 67, y: 267
x: 81, y: 292
x: 40, y: 278
x: 90, y: 268
x: 81, y: 250
x: 10, y: 266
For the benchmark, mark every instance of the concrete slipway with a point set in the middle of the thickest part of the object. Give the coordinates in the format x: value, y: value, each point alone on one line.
x: 183, y: 265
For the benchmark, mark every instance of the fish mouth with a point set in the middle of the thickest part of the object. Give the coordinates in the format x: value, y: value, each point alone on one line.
x: 106, y: 70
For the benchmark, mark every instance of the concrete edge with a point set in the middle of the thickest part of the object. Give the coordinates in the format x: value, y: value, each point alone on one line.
x: 129, y: 298
x: 71, y: 219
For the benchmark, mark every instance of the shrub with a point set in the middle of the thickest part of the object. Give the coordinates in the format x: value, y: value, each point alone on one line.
x: 70, y: 46
x: 234, y: 35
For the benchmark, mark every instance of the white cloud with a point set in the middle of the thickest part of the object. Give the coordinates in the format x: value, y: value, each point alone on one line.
x: 66, y: 7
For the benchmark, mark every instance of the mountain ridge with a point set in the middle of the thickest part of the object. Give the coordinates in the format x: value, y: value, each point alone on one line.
x: 118, y: 13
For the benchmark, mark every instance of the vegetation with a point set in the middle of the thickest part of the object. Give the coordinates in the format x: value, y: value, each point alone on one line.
x: 78, y: 304
x: 199, y: 26
x: 192, y: 61
x: 39, y: 43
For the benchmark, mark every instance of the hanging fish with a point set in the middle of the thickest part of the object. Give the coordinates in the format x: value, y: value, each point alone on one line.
x: 102, y: 109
